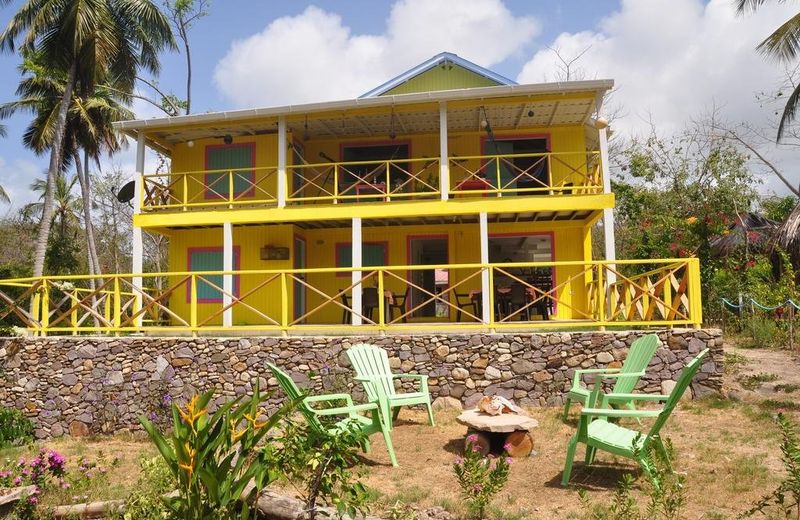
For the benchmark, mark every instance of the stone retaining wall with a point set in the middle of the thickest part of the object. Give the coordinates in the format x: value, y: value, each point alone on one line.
x: 97, y: 384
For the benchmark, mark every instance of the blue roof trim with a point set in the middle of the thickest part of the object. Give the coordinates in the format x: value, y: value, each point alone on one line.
x: 433, y: 62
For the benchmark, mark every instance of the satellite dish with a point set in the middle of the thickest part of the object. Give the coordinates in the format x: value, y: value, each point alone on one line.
x: 127, y: 192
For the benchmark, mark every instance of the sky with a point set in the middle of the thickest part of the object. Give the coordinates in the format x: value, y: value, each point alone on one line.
x: 671, y: 59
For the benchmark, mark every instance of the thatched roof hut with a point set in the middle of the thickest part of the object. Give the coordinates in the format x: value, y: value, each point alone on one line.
x: 789, y: 235
x: 748, y: 230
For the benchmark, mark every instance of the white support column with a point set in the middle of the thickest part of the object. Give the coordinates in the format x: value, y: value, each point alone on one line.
x: 227, y: 279
x: 444, y: 162
x: 608, y: 213
x: 357, y: 263
x: 137, y: 247
x: 486, y: 289
x: 282, y: 162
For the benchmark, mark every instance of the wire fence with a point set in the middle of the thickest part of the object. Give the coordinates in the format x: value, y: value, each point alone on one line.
x: 784, y: 311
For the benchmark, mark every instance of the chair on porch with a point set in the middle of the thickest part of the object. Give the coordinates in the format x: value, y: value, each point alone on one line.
x: 517, y: 301
x: 346, y: 310
x: 373, y: 371
x: 598, y: 433
x: 641, y: 352
x: 369, y: 302
x: 399, y: 303
x: 353, y: 419
x: 467, y: 302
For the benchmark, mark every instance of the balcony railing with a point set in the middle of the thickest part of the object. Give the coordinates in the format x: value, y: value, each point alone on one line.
x: 210, y: 189
x: 563, y: 173
x: 553, y: 173
x: 532, y: 296
x: 333, y: 183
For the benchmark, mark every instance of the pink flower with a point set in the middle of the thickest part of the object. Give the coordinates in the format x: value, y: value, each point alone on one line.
x: 509, y: 461
x: 18, y: 481
x: 476, y: 448
x: 472, y: 438
x: 477, y: 488
x: 459, y: 461
x: 33, y: 500
x: 507, y: 446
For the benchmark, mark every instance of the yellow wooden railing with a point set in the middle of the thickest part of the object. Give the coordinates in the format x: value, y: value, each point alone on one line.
x: 529, y: 295
x: 552, y: 173
x: 337, y: 182
x: 209, y: 189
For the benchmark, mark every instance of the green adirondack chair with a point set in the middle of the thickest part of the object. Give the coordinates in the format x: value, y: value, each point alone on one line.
x: 368, y: 425
x: 639, y: 356
x: 372, y: 370
x: 598, y: 433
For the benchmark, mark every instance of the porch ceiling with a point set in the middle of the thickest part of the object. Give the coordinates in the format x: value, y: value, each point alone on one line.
x: 509, y: 115
x: 503, y: 107
x: 537, y: 216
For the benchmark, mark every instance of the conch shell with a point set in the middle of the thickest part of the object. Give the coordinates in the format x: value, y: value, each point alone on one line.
x: 496, y: 405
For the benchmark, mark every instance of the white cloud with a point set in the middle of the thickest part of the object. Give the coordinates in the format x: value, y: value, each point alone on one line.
x: 672, y: 59
x: 15, y: 178
x: 313, y: 56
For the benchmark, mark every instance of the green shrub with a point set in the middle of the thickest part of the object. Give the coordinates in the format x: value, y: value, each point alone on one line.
x: 786, y: 497
x: 480, y: 477
x: 320, y: 466
x: 15, y: 428
x: 665, y: 491
x: 146, y: 501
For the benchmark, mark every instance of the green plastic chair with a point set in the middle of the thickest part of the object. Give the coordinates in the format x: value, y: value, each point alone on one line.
x: 639, y: 356
x: 367, y: 425
x: 372, y: 370
x: 598, y: 433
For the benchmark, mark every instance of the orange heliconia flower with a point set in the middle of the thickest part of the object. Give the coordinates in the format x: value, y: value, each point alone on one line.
x: 191, y: 414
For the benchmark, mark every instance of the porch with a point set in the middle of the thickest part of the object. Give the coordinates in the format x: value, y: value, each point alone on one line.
x: 357, y: 300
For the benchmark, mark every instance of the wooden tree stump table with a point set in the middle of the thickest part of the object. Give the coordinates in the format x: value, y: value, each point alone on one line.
x: 495, y: 431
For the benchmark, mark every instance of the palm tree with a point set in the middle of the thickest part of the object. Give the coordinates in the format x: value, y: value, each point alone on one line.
x: 88, y: 127
x: 784, y: 45
x: 67, y: 207
x: 90, y: 41
x: 3, y: 194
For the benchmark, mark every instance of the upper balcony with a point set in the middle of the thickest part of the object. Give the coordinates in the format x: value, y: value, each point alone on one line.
x: 390, y: 156
x: 546, y: 173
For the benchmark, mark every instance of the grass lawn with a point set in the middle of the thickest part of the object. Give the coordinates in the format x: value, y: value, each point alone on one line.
x: 729, y: 451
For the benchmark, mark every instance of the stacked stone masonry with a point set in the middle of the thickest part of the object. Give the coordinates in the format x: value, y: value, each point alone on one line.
x: 83, y: 385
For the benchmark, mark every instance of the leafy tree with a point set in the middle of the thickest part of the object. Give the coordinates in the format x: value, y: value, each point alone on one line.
x: 783, y: 45
x: 778, y: 208
x: 88, y: 127
x: 90, y: 41
x: 675, y: 193
x: 62, y: 250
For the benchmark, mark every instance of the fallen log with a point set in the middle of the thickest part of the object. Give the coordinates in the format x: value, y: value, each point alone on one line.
x: 279, y: 507
x: 89, y: 510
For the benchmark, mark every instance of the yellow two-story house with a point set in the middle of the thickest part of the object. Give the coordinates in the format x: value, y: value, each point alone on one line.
x: 448, y: 198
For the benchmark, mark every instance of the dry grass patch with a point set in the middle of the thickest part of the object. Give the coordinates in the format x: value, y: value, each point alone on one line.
x: 729, y: 452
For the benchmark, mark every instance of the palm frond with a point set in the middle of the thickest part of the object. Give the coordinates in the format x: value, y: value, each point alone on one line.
x: 784, y: 43
x: 789, y: 112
